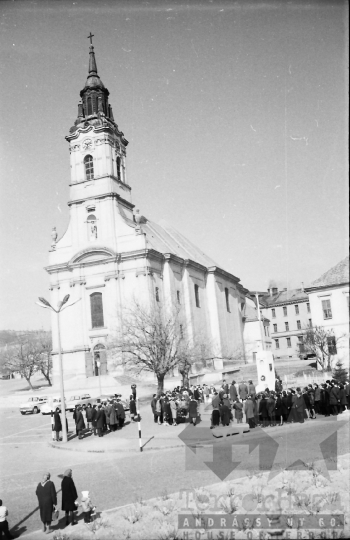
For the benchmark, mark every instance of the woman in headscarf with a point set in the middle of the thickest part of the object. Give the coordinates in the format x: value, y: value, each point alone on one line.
x: 69, y: 496
x: 47, y: 499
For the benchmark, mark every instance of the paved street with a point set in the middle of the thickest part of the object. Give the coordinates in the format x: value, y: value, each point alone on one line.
x: 118, y: 478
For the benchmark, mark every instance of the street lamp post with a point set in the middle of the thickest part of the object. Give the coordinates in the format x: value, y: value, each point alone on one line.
x: 45, y: 304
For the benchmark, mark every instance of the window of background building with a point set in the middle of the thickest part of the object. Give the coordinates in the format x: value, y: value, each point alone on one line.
x: 332, y: 345
x: 298, y: 325
x: 275, y: 327
x: 181, y: 331
x: 308, y: 307
x: 196, y: 294
x: 273, y: 311
x: 96, y: 310
x: 157, y: 294
x: 327, y: 310
x: 227, y: 299
x: 296, y: 310
x: 89, y: 167
x: 287, y: 326
x: 178, y: 297
x: 277, y: 343
x: 289, y: 342
x: 285, y: 311
x: 310, y: 323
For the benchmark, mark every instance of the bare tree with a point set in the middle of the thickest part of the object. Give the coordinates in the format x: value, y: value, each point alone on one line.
x: 43, y: 344
x: 21, y: 357
x: 154, y: 341
x: 321, y: 342
x: 30, y: 353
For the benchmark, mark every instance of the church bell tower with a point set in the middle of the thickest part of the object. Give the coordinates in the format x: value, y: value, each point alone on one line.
x: 99, y: 192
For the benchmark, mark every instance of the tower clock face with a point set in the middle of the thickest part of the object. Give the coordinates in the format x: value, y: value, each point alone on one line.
x: 87, y: 144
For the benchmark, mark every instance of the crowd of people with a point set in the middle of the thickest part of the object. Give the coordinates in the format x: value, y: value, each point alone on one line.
x: 272, y: 407
x: 99, y: 418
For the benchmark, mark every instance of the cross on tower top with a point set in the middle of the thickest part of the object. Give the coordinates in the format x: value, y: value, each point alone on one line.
x: 90, y: 36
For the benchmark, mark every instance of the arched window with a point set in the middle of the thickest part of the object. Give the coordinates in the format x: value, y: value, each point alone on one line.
x: 96, y: 310
x: 89, y: 106
x: 118, y: 169
x: 89, y: 167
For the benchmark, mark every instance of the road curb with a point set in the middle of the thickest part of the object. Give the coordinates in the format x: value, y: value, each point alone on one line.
x: 116, y: 450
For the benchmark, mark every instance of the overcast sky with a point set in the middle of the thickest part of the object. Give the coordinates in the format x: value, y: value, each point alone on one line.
x: 236, y: 116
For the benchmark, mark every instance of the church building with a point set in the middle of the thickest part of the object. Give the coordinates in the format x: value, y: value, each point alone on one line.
x: 111, y: 254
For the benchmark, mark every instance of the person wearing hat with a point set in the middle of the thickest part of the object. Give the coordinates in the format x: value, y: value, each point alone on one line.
x: 80, y: 424
x: 193, y: 410
x: 243, y: 391
x: 87, y: 506
x: 215, y: 415
x: 263, y: 411
x: 133, y: 390
x: 120, y: 412
x: 99, y: 420
x: 233, y: 392
x: 299, y: 406
x: 225, y: 411
x: 249, y: 411
x: 251, y: 389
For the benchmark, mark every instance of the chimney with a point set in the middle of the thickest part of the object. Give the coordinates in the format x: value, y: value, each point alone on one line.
x: 302, y: 287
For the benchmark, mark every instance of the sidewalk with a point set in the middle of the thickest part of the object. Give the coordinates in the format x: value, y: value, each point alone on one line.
x: 154, y: 436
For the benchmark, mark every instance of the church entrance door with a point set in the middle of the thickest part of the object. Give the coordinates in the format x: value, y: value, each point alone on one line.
x: 100, y: 360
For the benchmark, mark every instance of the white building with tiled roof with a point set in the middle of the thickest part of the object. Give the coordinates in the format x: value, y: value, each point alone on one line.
x: 289, y: 312
x: 329, y: 301
x: 111, y: 255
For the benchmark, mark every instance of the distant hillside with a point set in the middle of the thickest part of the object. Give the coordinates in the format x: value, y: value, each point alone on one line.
x: 10, y: 336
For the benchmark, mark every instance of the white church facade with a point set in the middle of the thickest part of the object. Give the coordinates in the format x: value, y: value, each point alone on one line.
x: 111, y: 255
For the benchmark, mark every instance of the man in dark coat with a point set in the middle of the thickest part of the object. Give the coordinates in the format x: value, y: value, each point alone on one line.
x: 233, y: 392
x: 192, y: 410
x: 243, y: 391
x: 89, y: 413
x: 133, y: 390
x: 99, y: 420
x: 251, y: 389
x: 69, y: 496
x: 120, y: 412
x: 153, y: 407
x: 299, y: 406
x: 334, y: 399
x: 113, y: 417
x: 80, y: 424
x: 225, y: 386
x: 278, y: 410
x: 47, y: 499
x: 93, y: 419
x: 249, y: 412
x: 263, y: 411
x: 57, y: 426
